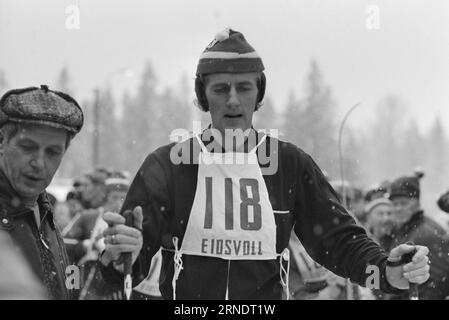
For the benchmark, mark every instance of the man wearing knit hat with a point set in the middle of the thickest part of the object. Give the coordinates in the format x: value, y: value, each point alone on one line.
x: 36, y: 127
x: 378, y: 222
x: 224, y: 225
x: 412, y: 225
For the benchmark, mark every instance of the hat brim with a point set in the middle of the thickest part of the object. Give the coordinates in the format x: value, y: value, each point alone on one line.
x: 44, y: 123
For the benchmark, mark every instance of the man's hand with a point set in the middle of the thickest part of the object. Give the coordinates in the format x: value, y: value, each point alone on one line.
x: 416, y: 271
x: 120, y: 238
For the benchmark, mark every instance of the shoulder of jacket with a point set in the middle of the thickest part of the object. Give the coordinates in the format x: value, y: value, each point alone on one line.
x: 289, y: 150
x: 160, y: 154
x: 432, y: 227
x: 424, y: 233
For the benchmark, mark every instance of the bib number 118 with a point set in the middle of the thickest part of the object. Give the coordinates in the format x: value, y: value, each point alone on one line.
x: 247, y: 200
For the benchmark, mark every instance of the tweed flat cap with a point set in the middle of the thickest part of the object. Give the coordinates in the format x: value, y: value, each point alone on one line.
x: 407, y: 186
x: 41, y: 106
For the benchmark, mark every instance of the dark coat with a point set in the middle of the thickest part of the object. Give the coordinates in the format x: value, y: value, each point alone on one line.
x: 424, y: 231
x: 298, y: 188
x: 42, y: 247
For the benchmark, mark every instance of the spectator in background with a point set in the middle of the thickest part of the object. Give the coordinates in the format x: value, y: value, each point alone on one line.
x: 93, y: 192
x: 67, y: 212
x: 376, y: 192
x: 411, y: 224
x: 116, y: 189
x: 36, y: 128
x: 378, y: 221
x: 70, y: 210
x: 73, y: 201
x: 79, y: 184
x: 94, y: 285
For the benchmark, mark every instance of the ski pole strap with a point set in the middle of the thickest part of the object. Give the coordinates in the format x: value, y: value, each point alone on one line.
x: 285, y: 272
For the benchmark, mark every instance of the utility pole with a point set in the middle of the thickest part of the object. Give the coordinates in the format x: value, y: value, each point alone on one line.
x: 349, y: 289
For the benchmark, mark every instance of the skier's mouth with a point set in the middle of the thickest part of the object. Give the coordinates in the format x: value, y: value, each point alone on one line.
x: 233, y: 116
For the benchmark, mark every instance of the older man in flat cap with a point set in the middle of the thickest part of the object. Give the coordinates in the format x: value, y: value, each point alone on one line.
x: 36, y: 127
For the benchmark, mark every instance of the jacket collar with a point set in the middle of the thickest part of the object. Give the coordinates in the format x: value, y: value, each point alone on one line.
x: 11, y: 203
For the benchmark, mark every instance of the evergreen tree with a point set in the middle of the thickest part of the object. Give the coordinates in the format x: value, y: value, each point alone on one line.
x: 290, y: 122
x: 141, y: 120
x: 77, y: 159
x: 310, y: 123
x: 63, y: 82
x: 383, y: 156
x: 412, y: 154
x: 437, y: 158
x: 110, y: 131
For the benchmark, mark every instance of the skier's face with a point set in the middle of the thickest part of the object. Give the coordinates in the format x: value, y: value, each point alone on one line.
x: 232, y: 99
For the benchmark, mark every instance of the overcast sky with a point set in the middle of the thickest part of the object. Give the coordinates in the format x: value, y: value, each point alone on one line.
x: 407, y: 55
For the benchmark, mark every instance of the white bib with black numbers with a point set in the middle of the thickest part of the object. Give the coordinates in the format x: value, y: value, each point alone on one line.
x: 231, y: 216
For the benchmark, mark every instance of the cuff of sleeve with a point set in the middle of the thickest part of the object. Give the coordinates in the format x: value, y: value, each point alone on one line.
x: 385, y: 286
x: 110, y: 274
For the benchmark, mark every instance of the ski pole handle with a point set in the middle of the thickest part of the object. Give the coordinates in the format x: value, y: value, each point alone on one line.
x: 407, y: 258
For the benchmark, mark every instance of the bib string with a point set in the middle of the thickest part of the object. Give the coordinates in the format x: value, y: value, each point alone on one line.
x: 284, y: 273
x: 202, y: 146
x: 259, y: 143
x: 178, y: 265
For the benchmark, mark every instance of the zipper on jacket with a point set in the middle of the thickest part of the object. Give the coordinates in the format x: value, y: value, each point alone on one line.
x: 227, y: 281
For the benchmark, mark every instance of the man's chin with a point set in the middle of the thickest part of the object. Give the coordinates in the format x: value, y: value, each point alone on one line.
x: 27, y: 192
